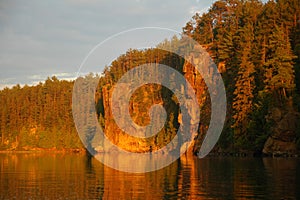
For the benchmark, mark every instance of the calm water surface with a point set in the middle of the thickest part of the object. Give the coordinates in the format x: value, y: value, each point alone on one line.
x: 57, y: 176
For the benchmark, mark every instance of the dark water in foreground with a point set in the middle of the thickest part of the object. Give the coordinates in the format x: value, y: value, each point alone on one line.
x: 41, y: 176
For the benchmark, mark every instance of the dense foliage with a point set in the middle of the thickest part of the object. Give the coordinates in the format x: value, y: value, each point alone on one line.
x: 38, y: 116
x: 256, y: 47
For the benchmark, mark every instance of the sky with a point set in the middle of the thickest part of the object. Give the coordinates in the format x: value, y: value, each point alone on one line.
x: 40, y: 39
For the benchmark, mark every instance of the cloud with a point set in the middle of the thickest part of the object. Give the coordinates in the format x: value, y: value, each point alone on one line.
x: 66, y: 76
x: 63, y: 75
x: 2, y: 86
x: 42, y: 38
x: 196, y: 9
x: 7, y: 82
x: 37, y: 77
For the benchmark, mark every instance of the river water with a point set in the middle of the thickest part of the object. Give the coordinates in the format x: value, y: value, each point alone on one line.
x: 75, y: 176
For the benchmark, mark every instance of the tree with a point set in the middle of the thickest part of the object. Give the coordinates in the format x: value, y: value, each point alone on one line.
x: 279, y: 69
x: 242, y: 102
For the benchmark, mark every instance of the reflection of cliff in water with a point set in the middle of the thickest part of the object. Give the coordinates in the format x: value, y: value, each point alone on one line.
x: 75, y: 176
x: 288, y: 181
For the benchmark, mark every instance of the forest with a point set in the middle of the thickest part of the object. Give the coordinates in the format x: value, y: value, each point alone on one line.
x: 256, y: 47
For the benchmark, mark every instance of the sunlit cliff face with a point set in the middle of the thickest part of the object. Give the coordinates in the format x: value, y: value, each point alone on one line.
x: 140, y: 103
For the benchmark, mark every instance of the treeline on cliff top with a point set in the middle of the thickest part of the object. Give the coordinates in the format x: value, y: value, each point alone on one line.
x: 256, y: 47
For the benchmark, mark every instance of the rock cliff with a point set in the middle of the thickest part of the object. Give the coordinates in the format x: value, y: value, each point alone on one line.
x: 282, y: 142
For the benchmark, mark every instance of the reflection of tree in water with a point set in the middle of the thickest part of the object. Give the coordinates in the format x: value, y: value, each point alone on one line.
x: 94, y: 178
x: 283, y: 177
x: 76, y: 176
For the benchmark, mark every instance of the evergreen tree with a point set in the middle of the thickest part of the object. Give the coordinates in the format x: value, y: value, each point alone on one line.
x: 242, y: 102
x: 279, y: 69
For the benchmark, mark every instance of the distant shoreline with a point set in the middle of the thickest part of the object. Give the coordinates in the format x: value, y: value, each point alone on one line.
x: 42, y: 150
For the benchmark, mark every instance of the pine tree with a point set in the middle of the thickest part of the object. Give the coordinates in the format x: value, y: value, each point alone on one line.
x: 244, y: 86
x: 245, y: 80
x: 279, y: 69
